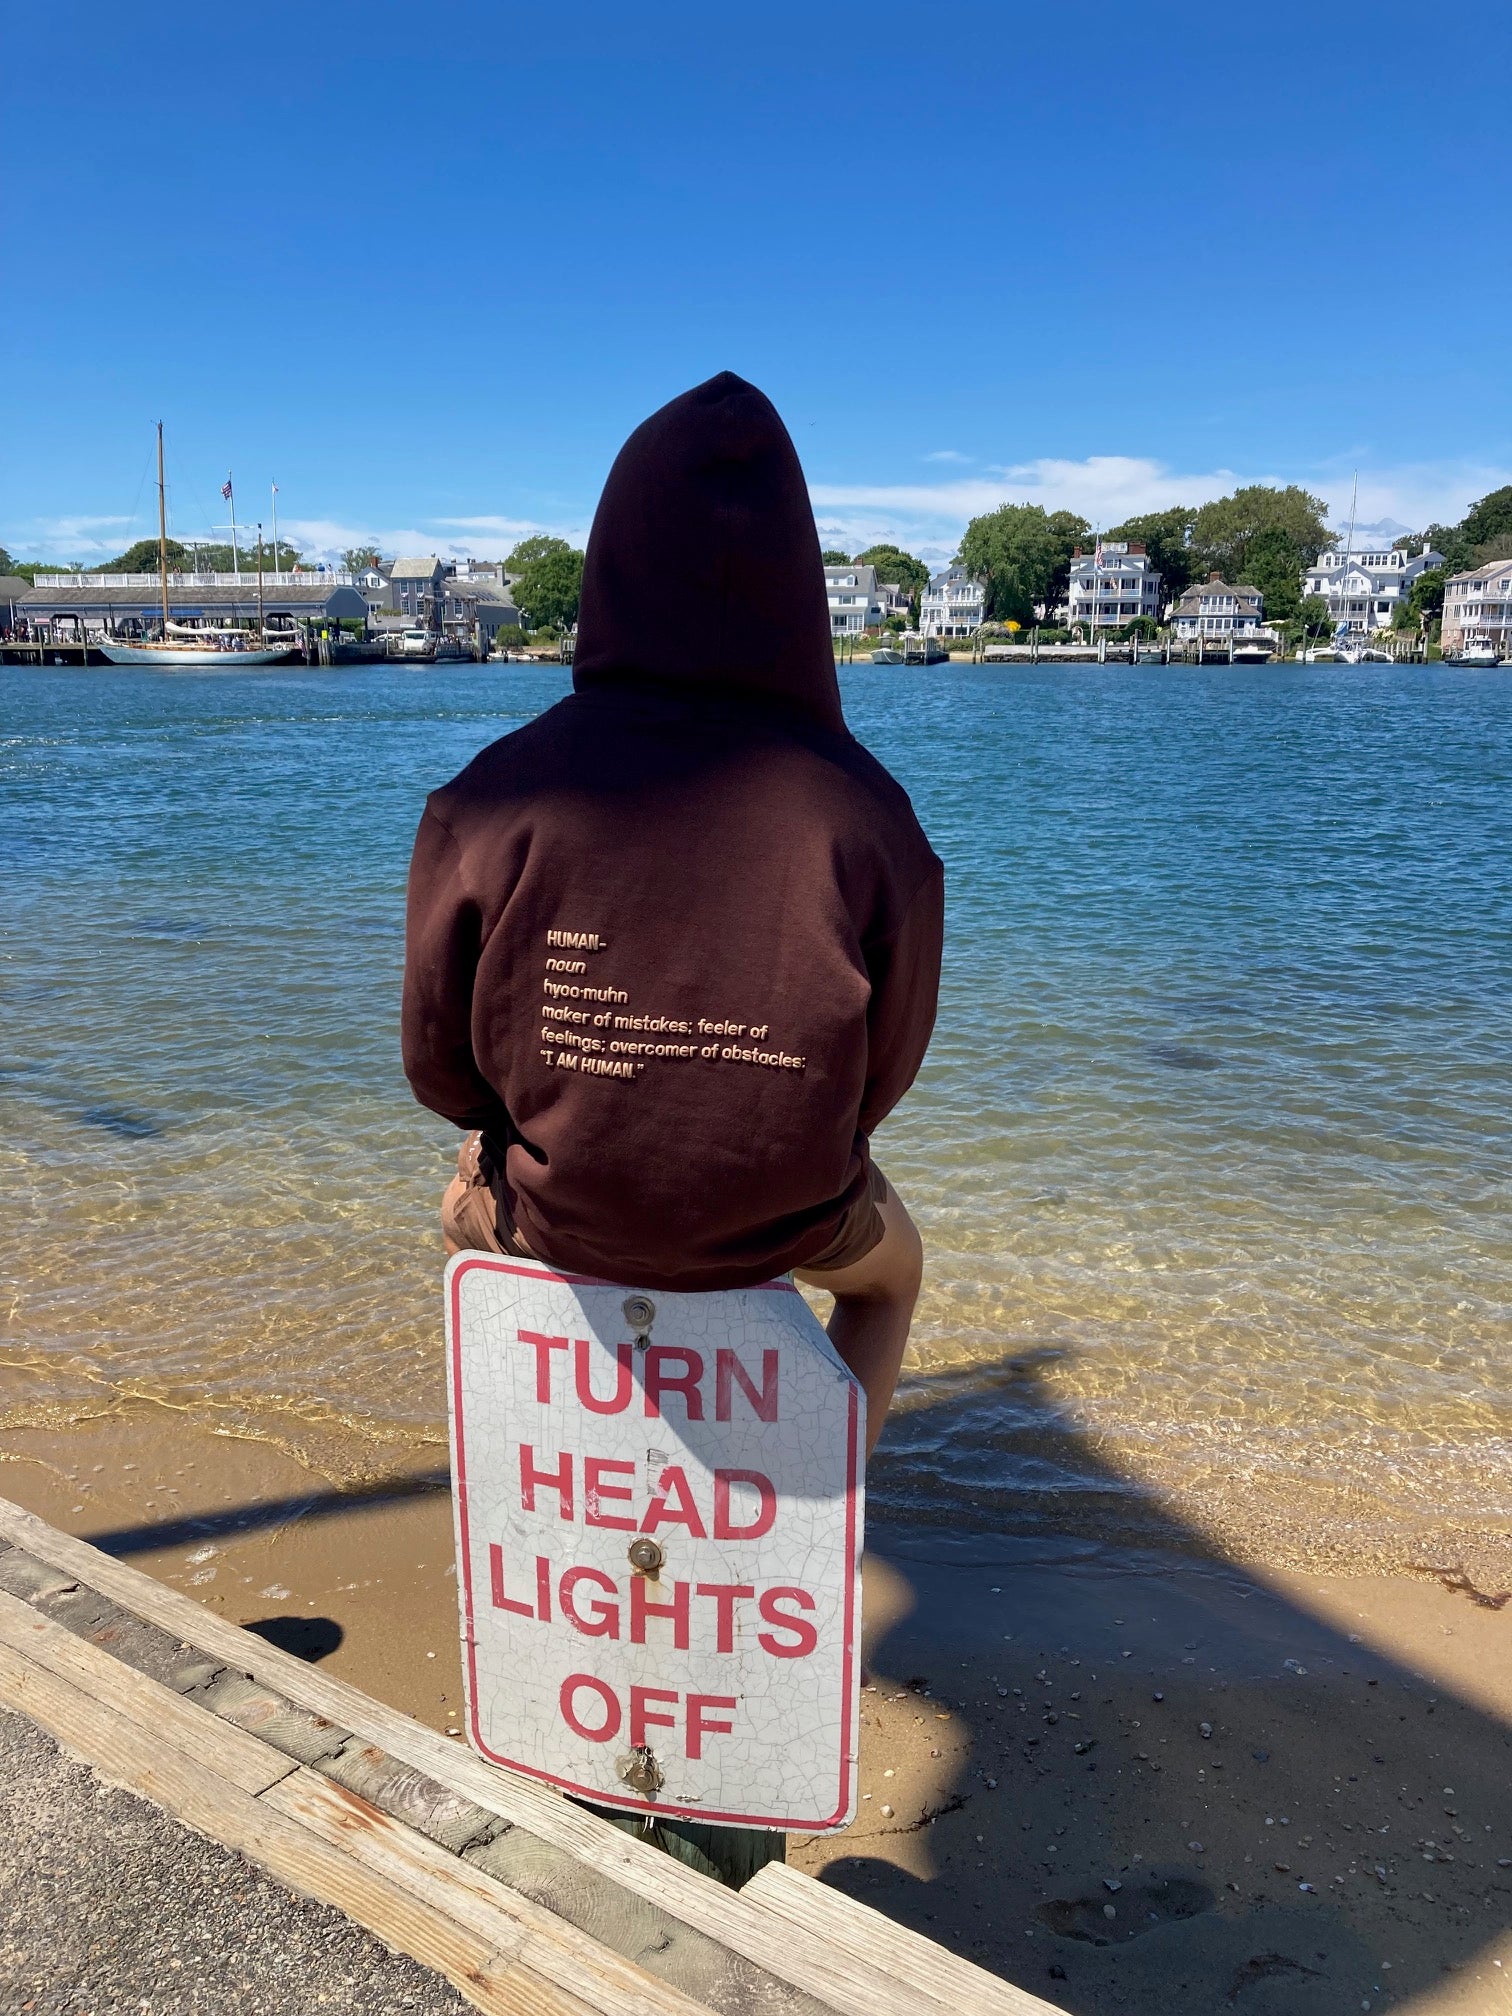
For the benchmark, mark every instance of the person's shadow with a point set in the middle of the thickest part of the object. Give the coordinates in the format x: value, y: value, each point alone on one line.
x: 1155, y: 1783
x: 1157, y: 1787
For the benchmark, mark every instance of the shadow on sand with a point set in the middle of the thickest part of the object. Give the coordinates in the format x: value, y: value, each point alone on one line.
x: 1162, y: 1785
x: 1130, y: 1775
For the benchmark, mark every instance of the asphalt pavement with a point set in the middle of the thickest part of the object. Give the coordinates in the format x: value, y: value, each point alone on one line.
x: 108, y: 1907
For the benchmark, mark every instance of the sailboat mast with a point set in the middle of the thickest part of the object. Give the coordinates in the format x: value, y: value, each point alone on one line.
x: 162, y: 530
x: 260, y: 624
x: 1354, y: 499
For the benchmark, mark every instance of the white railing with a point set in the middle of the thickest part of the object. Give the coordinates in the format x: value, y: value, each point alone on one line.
x: 307, y: 578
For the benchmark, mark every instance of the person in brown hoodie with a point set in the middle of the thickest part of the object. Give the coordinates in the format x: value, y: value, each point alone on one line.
x: 673, y: 949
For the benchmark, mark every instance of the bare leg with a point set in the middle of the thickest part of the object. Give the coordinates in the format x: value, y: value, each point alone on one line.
x: 874, y: 1305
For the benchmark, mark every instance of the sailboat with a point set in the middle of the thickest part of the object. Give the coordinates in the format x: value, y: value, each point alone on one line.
x: 182, y: 644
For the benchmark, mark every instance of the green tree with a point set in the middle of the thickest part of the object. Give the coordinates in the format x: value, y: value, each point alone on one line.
x: 1499, y: 548
x: 357, y: 559
x: 833, y: 557
x: 1167, y: 537
x: 142, y: 558
x: 1273, y: 566
x: 1263, y: 537
x: 1424, y: 601
x: 1022, y: 556
x: 1224, y: 532
x: 893, y: 564
x: 546, y: 581
x: 1312, y: 619
x: 1489, y: 519
x: 1445, y: 539
x: 7, y: 565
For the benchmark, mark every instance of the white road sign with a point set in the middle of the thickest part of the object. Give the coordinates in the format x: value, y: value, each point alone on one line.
x: 659, y: 1505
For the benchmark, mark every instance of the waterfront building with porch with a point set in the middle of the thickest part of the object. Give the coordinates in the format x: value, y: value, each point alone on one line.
x: 1363, y: 586
x: 854, y: 601
x: 80, y: 606
x: 1112, y: 585
x: 1213, y: 610
x: 953, y: 605
x: 1478, y: 608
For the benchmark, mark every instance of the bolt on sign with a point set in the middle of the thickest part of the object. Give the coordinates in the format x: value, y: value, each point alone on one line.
x: 659, y: 1505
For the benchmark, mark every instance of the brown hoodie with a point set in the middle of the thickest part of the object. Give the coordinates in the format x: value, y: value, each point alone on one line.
x: 675, y: 946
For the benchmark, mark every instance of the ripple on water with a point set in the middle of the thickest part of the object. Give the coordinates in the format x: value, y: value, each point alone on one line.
x: 1210, y: 1153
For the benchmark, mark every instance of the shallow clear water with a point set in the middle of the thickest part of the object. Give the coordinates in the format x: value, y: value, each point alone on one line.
x: 1211, y: 1153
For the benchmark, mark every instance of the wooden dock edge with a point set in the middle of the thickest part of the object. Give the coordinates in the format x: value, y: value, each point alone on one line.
x: 527, y: 1904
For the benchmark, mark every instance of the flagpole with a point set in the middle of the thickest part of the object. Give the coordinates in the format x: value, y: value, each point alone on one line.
x: 275, y: 528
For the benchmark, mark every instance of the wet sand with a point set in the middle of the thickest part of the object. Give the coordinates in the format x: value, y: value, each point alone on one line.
x: 1131, y: 1781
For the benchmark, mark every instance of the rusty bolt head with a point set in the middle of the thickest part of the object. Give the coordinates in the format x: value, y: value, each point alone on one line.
x: 641, y: 1772
x: 640, y: 1312
x: 646, y: 1554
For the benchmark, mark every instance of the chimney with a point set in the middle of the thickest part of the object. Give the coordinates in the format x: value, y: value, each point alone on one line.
x: 1215, y: 577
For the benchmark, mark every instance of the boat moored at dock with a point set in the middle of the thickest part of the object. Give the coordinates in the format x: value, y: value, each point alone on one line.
x: 217, y: 649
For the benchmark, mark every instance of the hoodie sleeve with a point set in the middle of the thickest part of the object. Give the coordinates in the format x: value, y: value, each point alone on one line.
x: 905, y: 977
x: 443, y: 936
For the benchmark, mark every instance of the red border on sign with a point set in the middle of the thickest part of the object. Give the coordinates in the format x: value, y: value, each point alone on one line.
x: 540, y: 1272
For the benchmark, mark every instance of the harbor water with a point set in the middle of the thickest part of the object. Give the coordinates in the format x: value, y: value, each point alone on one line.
x: 1211, y: 1153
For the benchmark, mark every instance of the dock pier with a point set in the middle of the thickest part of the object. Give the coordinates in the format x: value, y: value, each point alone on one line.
x: 529, y: 1905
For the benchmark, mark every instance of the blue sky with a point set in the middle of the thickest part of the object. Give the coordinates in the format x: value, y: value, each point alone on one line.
x: 425, y: 268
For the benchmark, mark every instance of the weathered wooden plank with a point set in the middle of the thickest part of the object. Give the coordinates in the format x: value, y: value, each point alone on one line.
x: 790, y: 1951
x: 420, y: 1801
x: 127, y: 1754
x: 121, y: 1691
x: 307, y: 1737
x: 511, y: 1923
x: 944, y: 1981
x: 644, y: 1932
x: 160, y: 1654
x: 23, y: 1575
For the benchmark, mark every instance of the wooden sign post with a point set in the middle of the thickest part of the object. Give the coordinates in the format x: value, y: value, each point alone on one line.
x: 659, y: 1505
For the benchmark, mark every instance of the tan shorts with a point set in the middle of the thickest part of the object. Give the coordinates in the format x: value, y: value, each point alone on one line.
x: 476, y: 1218
x: 475, y: 1214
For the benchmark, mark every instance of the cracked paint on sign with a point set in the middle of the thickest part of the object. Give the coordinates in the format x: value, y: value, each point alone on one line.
x: 715, y: 1675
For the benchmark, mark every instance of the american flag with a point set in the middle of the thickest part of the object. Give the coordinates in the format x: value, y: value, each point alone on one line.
x: 226, y: 489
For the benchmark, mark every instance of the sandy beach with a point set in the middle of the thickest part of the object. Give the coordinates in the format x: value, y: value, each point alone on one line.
x: 1131, y: 1781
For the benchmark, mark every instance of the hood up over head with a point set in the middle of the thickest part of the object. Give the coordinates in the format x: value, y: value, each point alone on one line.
x: 703, y: 568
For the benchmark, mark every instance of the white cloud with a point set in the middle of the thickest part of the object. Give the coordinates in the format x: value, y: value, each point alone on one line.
x: 86, y: 539
x: 945, y: 455
x: 71, y: 538
x: 1105, y: 489
x: 451, y: 538
x: 926, y: 516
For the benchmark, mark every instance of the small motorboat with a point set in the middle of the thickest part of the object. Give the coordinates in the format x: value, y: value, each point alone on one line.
x: 887, y: 654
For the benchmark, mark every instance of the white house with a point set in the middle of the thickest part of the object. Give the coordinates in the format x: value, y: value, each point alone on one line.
x: 1212, y: 609
x: 1478, y: 608
x: 1112, y: 585
x: 854, y: 601
x: 1363, y: 586
x: 953, y: 604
